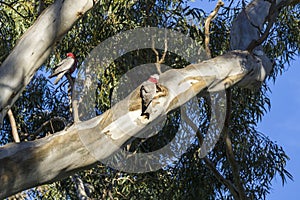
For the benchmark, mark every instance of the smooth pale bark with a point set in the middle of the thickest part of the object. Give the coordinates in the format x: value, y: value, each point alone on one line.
x: 29, y: 164
x: 35, y: 47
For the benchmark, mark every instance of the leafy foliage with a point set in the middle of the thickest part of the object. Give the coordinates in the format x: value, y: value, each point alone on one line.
x: 284, y: 41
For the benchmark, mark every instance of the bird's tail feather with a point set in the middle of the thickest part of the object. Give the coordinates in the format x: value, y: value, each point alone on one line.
x: 58, y: 78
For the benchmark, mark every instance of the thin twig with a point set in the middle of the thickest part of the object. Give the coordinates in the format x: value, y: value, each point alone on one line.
x: 229, y: 150
x: 13, y: 126
x: 165, y: 50
x: 154, y: 50
x: 217, y: 174
x: 52, y: 128
x: 208, y: 162
x: 49, y: 122
x: 220, y: 178
x: 206, y: 26
x: 10, y: 5
x: 73, y: 100
x: 157, y: 64
x: 193, y: 126
x: 161, y: 60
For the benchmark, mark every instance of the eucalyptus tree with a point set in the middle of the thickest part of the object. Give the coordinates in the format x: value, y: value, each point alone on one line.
x: 248, y: 44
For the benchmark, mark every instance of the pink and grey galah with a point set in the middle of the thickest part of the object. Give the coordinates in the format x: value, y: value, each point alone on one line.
x: 147, y: 93
x: 67, y: 65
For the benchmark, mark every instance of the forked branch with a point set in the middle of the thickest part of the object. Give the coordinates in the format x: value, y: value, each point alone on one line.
x: 162, y: 59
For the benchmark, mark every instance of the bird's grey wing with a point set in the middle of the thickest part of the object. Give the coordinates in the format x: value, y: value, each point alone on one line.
x: 147, y: 93
x: 59, y: 76
x: 64, y: 65
x: 149, y: 87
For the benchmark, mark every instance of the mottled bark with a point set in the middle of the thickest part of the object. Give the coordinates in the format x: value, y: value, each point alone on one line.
x: 29, y: 164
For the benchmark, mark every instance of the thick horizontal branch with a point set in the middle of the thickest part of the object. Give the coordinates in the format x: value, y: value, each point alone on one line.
x: 29, y: 164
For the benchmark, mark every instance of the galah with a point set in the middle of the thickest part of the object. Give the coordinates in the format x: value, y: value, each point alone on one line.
x: 67, y: 65
x: 147, y: 93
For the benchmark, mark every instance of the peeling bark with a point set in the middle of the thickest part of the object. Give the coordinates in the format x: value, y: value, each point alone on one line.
x: 29, y: 164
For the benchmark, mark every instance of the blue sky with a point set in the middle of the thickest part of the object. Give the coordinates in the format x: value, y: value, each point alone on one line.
x: 281, y: 123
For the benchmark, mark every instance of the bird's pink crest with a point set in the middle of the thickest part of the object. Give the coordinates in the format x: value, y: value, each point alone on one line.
x: 71, y: 55
x: 72, y: 69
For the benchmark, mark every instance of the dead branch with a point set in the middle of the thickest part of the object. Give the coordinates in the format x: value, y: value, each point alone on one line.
x: 206, y: 26
x: 162, y: 59
x: 13, y: 126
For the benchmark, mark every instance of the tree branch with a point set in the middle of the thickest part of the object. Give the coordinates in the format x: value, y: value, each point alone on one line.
x: 10, y: 5
x: 162, y: 59
x: 165, y: 50
x: 209, y: 163
x: 245, y: 32
x: 74, y: 100
x: 206, y: 26
x: 41, y: 6
x: 13, y: 126
x: 273, y: 13
x: 229, y: 151
x: 40, y: 129
x: 220, y: 178
x: 85, y: 143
